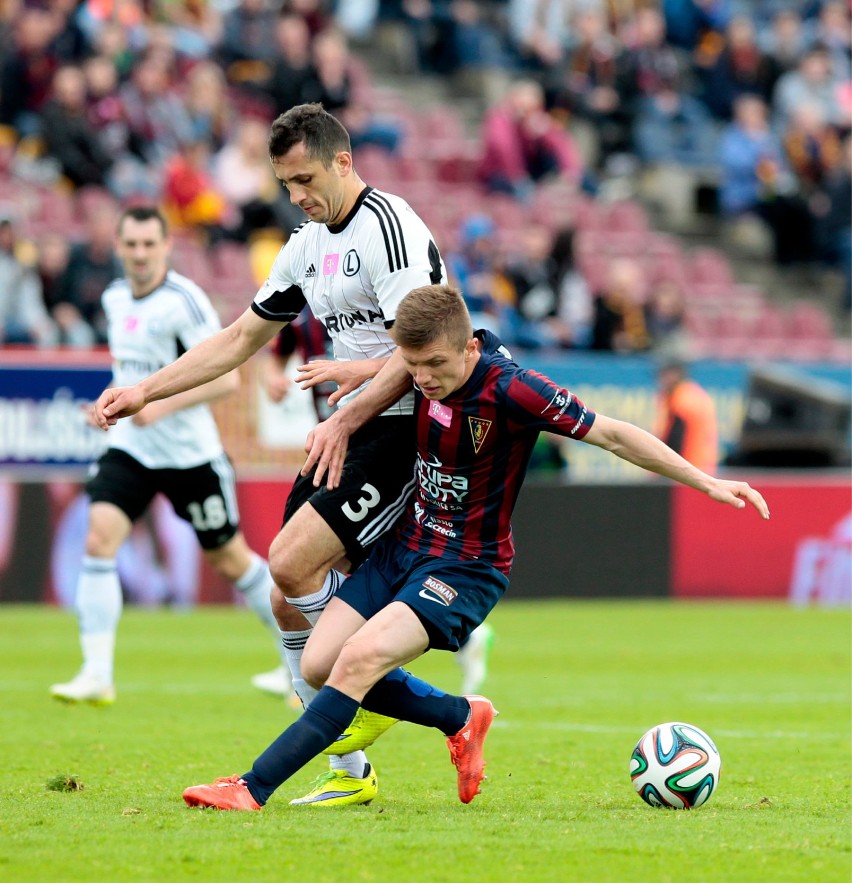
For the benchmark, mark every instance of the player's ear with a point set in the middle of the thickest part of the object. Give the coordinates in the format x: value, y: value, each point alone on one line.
x: 343, y: 163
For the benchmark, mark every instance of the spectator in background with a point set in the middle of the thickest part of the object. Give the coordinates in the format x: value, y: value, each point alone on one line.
x: 596, y: 83
x: 292, y: 67
x: 732, y: 66
x: 833, y: 30
x: 26, y: 73
x: 207, y: 104
x: 784, y: 44
x: 619, y: 321
x: 686, y: 416
x: 522, y: 144
x: 92, y: 265
x: 532, y: 274
x: 335, y: 84
x: 248, y: 37
x: 576, y: 307
x: 688, y: 21
x: 812, y: 82
x: 196, y: 26
x: 540, y: 31
x: 665, y: 315
x: 811, y: 146
x: 190, y: 198
x: 113, y: 41
x: 755, y: 179
x: 243, y: 175
x: 129, y: 175
x: 23, y: 316
x: 653, y: 62
x: 830, y: 206
x: 674, y: 127
x: 52, y: 268
x: 71, y: 43
x: 69, y: 136
x: 477, y: 267
x: 157, y: 118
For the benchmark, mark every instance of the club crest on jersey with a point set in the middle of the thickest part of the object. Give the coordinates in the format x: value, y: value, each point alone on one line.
x: 478, y: 430
x: 441, y: 413
x: 329, y: 264
x: 437, y: 591
x: 351, y: 263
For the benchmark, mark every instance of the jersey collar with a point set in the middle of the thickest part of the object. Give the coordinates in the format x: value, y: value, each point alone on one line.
x: 339, y: 228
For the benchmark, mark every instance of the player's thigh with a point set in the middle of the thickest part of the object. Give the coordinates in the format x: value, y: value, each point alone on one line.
x: 376, y: 483
x: 337, y: 624
x: 206, y: 497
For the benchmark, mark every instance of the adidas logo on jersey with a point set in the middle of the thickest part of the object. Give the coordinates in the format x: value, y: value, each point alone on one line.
x: 311, y: 272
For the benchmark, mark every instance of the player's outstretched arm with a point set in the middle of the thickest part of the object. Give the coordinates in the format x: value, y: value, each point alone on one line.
x: 213, y: 357
x: 327, y: 443
x: 637, y: 446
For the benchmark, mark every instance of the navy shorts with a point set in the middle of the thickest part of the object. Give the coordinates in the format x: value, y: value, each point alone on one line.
x: 205, y: 495
x: 377, y: 480
x: 450, y: 597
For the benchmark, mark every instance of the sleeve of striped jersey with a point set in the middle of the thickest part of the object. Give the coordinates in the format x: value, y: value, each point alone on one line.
x: 537, y: 403
x: 402, y: 254
x: 280, y: 299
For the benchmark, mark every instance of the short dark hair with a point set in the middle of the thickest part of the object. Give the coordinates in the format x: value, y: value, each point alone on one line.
x: 322, y: 134
x: 431, y: 313
x: 144, y: 213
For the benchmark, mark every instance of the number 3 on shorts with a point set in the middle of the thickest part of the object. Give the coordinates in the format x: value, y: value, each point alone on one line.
x: 359, y: 511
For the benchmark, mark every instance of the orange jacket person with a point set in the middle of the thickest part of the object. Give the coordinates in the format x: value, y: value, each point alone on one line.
x: 686, y: 417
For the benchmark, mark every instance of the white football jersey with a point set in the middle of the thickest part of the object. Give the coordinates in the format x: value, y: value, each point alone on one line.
x: 146, y: 334
x: 353, y: 275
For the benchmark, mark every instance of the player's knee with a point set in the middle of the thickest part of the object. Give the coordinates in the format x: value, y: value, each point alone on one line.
x: 356, y: 665
x: 315, y: 669
x: 100, y: 543
x: 291, y: 570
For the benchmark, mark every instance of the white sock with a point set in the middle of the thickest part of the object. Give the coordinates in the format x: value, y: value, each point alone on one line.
x: 355, y: 763
x: 294, y: 645
x: 311, y: 606
x: 98, y: 606
x: 256, y: 585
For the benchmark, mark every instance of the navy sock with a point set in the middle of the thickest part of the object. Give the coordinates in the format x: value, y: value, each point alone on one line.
x: 328, y: 715
x: 401, y: 695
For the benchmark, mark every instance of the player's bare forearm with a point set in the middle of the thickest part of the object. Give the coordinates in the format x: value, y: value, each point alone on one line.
x: 645, y: 450
x: 222, y: 386
x: 327, y: 443
x: 207, y: 361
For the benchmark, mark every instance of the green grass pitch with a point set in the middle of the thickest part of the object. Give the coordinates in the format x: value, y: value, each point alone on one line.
x: 577, y: 683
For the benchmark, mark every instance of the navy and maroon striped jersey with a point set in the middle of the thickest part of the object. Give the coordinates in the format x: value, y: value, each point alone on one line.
x: 473, y: 448
x: 307, y: 336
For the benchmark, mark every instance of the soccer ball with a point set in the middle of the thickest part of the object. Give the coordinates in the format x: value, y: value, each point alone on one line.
x: 675, y: 765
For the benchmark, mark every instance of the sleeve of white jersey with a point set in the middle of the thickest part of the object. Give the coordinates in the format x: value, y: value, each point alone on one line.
x: 280, y: 298
x: 402, y: 254
x: 196, y: 319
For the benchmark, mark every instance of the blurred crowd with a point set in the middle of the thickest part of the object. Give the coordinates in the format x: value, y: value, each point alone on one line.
x: 170, y: 102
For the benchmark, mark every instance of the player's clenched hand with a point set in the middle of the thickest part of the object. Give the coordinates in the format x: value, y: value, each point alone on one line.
x: 326, y: 447
x: 116, y: 402
x: 738, y: 494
